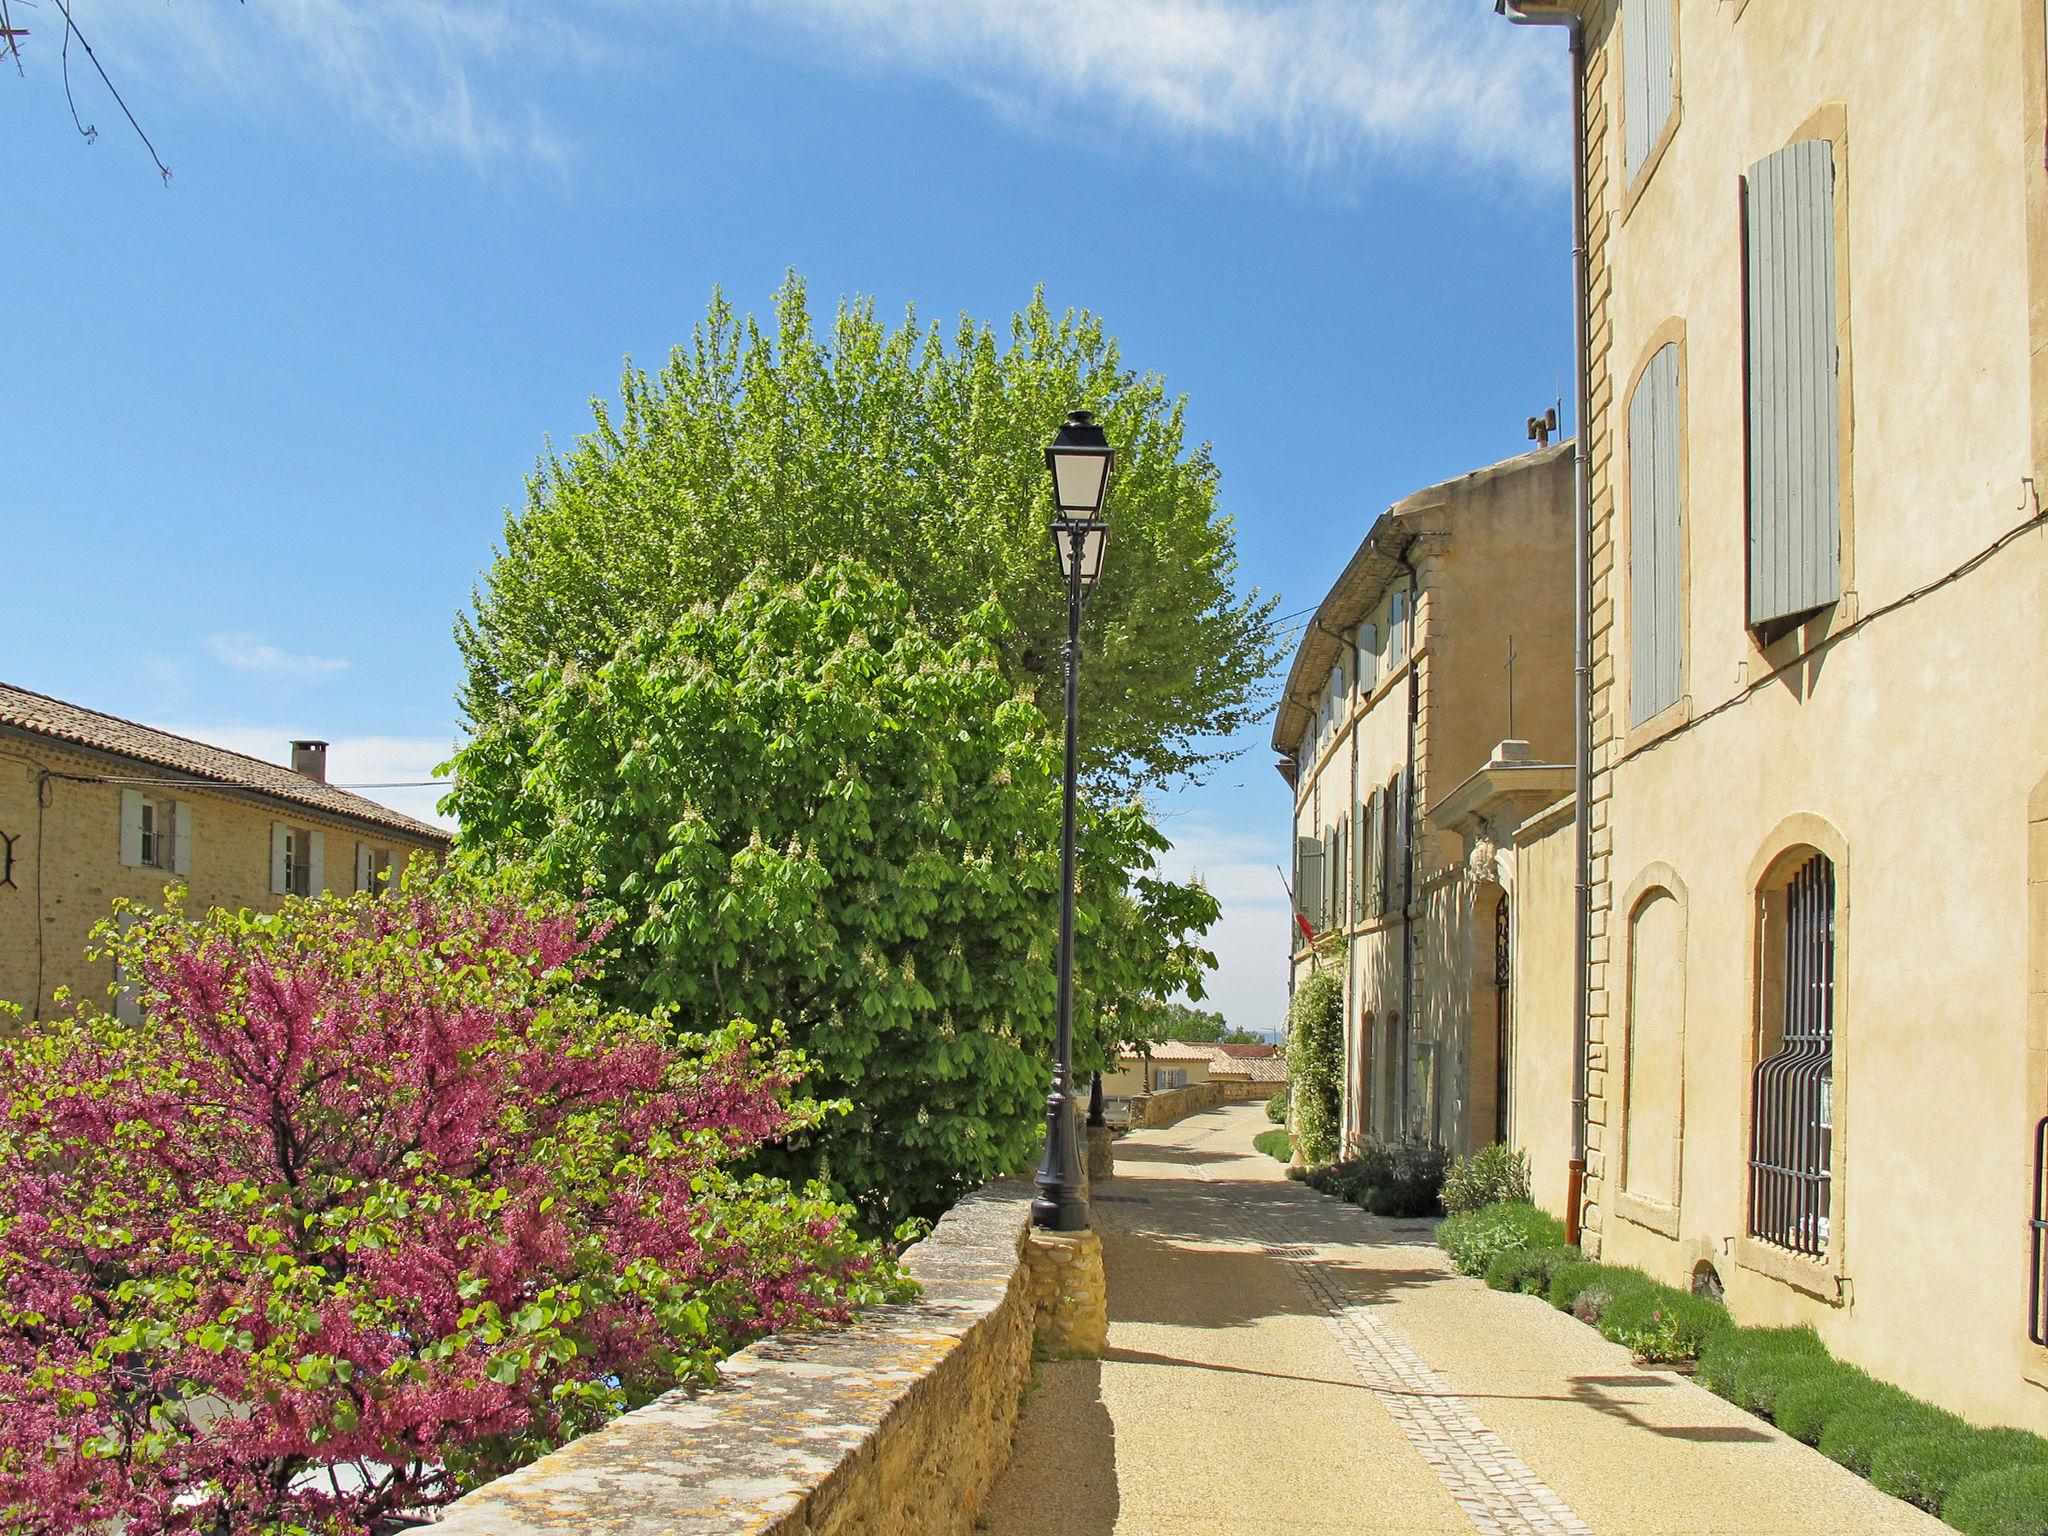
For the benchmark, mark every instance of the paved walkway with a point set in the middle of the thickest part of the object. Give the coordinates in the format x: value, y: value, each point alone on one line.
x: 1282, y: 1362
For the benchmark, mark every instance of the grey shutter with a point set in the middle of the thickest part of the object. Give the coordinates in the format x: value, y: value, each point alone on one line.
x: 1376, y: 872
x: 1795, y: 534
x: 1646, y: 64
x: 316, y: 864
x: 131, y: 828
x: 1368, y: 656
x: 1655, y: 517
x: 366, y: 867
x: 280, y: 845
x: 181, y: 838
x: 1308, y: 879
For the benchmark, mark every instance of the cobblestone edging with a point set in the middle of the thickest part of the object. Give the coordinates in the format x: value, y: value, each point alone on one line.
x: 1495, y: 1488
x: 901, y: 1421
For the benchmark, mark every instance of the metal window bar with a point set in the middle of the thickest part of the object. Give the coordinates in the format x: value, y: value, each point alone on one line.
x: 2037, y: 1280
x: 1792, y: 1109
x: 1503, y: 975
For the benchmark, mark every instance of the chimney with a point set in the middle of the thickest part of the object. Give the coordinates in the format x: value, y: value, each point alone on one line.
x: 310, y: 758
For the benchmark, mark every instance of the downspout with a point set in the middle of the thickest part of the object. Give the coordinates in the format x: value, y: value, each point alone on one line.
x: 1582, y: 666
x: 1408, y: 857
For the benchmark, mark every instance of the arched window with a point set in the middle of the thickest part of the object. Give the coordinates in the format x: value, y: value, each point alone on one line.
x: 1792, y: 1111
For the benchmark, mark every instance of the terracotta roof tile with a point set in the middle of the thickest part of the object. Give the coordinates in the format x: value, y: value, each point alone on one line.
x: 40, y: 715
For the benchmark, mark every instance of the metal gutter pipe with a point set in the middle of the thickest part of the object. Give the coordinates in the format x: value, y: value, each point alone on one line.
x: 1521, y: 13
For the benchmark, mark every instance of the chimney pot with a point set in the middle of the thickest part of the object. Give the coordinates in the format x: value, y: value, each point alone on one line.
x: 310, y: 759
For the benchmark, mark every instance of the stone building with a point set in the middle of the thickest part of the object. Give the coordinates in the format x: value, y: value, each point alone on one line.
x: 93, y: 807
x: 1817, y: 405
x: 1398, y: 693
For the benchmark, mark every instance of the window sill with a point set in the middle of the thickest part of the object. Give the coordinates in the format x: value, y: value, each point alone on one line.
x: 1647, y: 171
x: 1654, y: 1215
x: 1671, y: 717
x: 1822, y: 1279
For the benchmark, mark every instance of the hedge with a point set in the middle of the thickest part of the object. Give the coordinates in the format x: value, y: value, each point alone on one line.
x: 1983, y: 1482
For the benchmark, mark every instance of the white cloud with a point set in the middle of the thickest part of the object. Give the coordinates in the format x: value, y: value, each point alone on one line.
x: 252, y: 653
x: 391, y: 770
x: 1249, y: 985
x: 1319, y: 83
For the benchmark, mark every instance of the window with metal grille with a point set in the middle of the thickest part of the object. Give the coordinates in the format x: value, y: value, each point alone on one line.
x: 1792, y: 1110
x: 1503, y: 978
x: 2037, y: 1275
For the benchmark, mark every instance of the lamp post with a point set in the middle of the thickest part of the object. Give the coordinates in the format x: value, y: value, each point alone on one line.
x: 1080, y: 460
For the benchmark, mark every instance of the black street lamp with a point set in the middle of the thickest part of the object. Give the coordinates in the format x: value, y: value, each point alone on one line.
x: 1080, y: 459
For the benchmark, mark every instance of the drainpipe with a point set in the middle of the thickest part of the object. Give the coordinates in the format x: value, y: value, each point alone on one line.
x: 1537, y: 13
x: 1408, y: 856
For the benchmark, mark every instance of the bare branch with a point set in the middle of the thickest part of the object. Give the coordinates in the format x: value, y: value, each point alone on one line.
x: 89, y: 131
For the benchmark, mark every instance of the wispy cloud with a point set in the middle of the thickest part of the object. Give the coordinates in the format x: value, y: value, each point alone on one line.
x: 397, y: 769
x: 252, y: 653
x: 1251, y: 940
x: 1322, y: 82
x: 1316, y: 83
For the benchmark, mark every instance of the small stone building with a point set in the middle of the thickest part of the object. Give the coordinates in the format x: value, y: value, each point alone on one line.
x: 93, y: 807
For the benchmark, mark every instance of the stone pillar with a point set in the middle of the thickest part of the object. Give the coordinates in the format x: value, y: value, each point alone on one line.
x: 1101, y: 1156
x: 1069, y: 1298
x: 1140, y: 1102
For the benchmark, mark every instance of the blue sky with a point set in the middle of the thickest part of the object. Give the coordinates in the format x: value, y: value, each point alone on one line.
x: 263, y: 422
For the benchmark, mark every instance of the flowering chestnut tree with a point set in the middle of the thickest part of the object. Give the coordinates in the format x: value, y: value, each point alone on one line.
x: 373, y: 1203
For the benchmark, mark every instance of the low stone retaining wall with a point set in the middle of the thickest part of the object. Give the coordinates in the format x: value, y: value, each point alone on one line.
x: 898, y: 1422
x: 1250, y: 1093
x: 1156, y: 1109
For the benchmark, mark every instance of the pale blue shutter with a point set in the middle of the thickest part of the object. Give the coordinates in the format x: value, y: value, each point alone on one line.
x: 1655, y: 518
x: 1795, y: 548
x: 1646, y: 67
x: 1308, y: 880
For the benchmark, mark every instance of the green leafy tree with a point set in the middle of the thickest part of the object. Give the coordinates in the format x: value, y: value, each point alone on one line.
x: 764, y: 451
x: 1196, y: 1026
x: 803, y: 805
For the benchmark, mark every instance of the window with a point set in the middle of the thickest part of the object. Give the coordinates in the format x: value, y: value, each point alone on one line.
x: 1397, y: 630
x: 1394, y: 843
x: 1373, y: 868
x: 1368, y: 649
x: 1792, y: 1113
x: 1655, y: 525
x: 297, y: 859
x: 1648, y: 84
x: 1793, y: 365
x: 376, y: 868
x: 155, y: 833
x: 1308, y: 880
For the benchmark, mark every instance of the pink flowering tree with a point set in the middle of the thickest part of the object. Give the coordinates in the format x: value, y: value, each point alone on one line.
x: 373, y: 1203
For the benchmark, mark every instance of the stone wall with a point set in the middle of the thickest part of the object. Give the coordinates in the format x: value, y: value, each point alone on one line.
x: 1155, y: 1109
x: 899, y: 1422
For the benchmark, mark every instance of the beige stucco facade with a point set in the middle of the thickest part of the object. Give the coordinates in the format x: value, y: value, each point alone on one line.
x: 1443, y: 584
x: 61, y: 818
x: 1898, y: 734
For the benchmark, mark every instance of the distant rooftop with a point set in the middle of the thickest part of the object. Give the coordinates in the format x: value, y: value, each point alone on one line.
x: 38, y: 714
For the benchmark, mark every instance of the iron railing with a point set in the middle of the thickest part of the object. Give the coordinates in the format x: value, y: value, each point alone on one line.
x: 2037, y: 1283
x: 1503, y: 977
x: 1792, y: 1107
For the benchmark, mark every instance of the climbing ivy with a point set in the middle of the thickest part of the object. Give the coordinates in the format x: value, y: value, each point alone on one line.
x: 1315, y: 1061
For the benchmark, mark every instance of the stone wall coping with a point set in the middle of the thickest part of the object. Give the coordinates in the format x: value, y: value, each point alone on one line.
x: 743, y: 1456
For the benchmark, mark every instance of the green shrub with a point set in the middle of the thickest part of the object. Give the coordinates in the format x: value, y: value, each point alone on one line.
x: 1724, y: 1355
x: 2012, y: 1501
x: 1275, y: 1143
x: 1926, y: 1469
x: 1474, y: 1239
x: 1884, y: 1415
x: 1315, y: 1061
x: 1487, y: 1177
x: 1276, y: 1108
x: 1401, y: 1179
x: 1598, y: 1293
x: 1659, y: 1322
x: 1806, y: 1401
x: 1528, y: 1270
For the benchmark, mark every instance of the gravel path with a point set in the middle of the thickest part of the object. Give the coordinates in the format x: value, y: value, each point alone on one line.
x: 1282, y: 1362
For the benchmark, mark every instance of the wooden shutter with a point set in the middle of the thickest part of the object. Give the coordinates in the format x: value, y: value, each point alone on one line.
x: 1655, y: 518
x: 181, y: 837
x: 1795, y: 533
x: 1368, y: 656
x: 131, y: 828
x: 316, y: 863
x: 280, y: 857
x: 1646, y: 65
x: 366, y: 867
x: 1377, y: 869
x: 1308, y: 879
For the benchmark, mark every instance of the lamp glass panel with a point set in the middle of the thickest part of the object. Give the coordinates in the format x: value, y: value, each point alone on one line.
x: 1078, y: 480
x: 1093, y: 542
